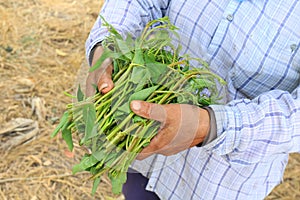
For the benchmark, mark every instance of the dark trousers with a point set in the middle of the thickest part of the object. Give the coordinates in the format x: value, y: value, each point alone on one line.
x: 134, y: 188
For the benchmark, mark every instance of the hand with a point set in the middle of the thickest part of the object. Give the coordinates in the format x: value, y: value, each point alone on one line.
x: 182, y: 126
x: 100, y: 77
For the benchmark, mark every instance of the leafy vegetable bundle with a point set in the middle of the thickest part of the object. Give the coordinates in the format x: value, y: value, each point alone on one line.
x: 145, y: 68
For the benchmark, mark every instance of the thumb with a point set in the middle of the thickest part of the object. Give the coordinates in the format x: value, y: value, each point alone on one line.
x: 148, y: 110
x: 103, y: 81
x: 105, y: 84
x: 102, y: 78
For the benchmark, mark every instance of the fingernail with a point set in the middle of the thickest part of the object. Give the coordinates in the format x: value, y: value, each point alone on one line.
x: 104, y: 85
x: 135, y: 105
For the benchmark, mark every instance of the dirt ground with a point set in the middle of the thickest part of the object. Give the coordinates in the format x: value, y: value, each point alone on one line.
x: 41, y: 51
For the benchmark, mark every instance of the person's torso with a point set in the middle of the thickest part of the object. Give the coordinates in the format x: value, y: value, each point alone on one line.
x: 253, y: 45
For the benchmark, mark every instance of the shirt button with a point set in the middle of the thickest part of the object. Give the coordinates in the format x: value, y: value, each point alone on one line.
x: 229, y: 17
x: 293, y: 47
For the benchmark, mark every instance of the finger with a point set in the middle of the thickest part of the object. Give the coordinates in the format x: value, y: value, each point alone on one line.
x: 105, y: 83
x: 147, y: 151
x: 149, y: 110
x: 101, y: 77
x: 90, y: 90
x: 155, y: 146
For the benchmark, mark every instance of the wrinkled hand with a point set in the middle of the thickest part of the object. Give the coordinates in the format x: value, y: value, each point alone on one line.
x: 100, y: 77
x: 182, y: 126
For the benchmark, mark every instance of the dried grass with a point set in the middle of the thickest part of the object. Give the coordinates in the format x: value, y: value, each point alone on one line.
x: 41, y: 51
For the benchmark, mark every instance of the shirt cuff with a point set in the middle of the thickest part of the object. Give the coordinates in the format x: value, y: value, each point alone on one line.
x: 92, y: 52
x: 213, y: 128
x: 220, y: 118
x: 227, y: 120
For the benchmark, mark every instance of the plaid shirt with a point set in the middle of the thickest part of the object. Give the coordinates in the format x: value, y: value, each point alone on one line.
x: 254, y: 46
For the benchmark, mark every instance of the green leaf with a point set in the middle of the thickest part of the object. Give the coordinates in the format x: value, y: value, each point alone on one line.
x: 106, y: 54
x: 130, y: 42
x: 143, y: 94
x: 116, y: 68
x: 95, y: 185
x: 146, y: 144
x: 99, y: 155
x: 86, y: 162
x: 138, y: 57
x: 89, y: 118
x: 137, y: 118
x: 80, y: 126
x: 187, y: 98
x: 204, y: 101
x: 124, y: 48
x: 139, y: 75
x: 201, y: 83
x: 150, y: 57
x: 63, y: 121
x: 80, y: 95
x: 117, y: 182
x: 123, y: 109
x: 120, y: 115
x: 156, y: 70
x: 139, y: 95
x: 67, y: 136
x: 185, y: 68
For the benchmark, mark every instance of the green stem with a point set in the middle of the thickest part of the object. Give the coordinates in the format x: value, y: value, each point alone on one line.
x: 120, y: 126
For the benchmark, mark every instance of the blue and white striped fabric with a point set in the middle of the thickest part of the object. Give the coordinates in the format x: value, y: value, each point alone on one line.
x: 254, y: 46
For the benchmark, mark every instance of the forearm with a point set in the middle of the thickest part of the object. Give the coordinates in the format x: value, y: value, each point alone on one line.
x: 127, y: 17
x: 252, y: 130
